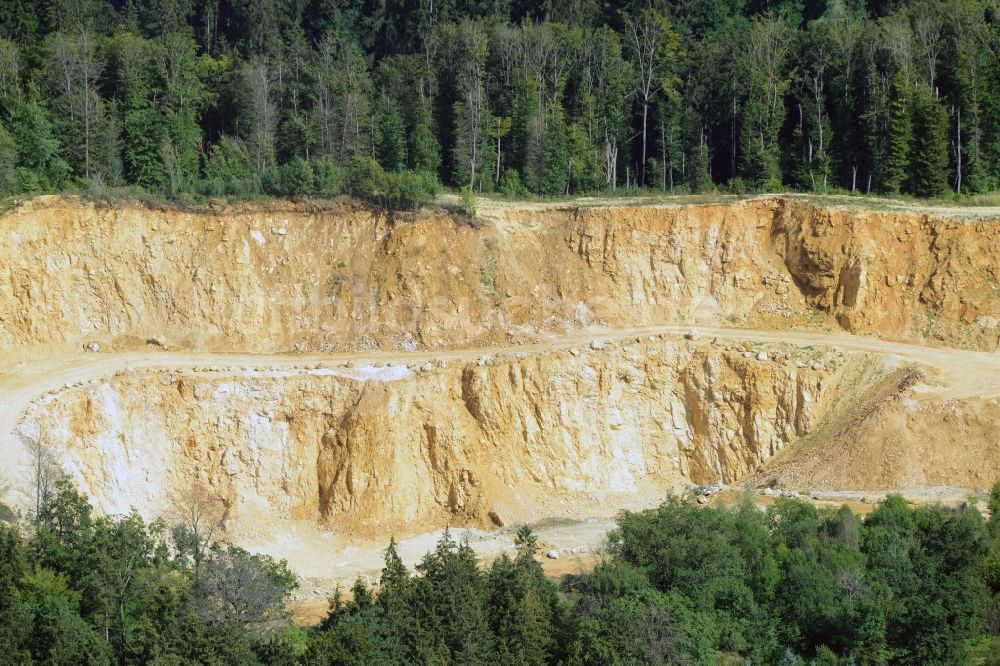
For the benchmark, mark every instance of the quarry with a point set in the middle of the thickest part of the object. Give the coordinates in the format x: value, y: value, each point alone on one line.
x: 336, y: 374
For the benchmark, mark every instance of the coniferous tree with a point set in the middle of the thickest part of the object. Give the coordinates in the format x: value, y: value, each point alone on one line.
x: 554, y: 98
x: 556, y: 155
x: 764, y: 111
x: 929, y: 146
x: 699, y: 179
x: 8, y: 163
x: 896, y: 169
x: 15, y: 618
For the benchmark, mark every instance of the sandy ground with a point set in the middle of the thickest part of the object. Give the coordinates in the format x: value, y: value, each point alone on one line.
x: 493, y: 208
x: 578, y: 545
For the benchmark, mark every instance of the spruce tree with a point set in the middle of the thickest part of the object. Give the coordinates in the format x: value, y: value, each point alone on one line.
x: 929, y: 152
x: 8, y: 160
x: 897, y: 159
x: 15, y: 618
x: 555, y: 157
x: 394, y: 574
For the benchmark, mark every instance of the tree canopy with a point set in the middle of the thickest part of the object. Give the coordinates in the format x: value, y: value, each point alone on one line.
x: 680, y: 584
x: 238, y: 98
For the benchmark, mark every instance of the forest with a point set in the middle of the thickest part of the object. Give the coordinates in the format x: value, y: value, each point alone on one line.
x: 387, y: 100
x: 680, y: 584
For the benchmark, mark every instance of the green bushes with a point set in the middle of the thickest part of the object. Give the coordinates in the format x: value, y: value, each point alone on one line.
x: 97, y: 591
x: 815, y: 582
x: 511, y: 185
x: 328, y: 177
x: 295, y: 179
x: 689, y: 584
x: 365, y: 179
x: 467, y: 203
x: 683, y: 584
x: 229, y: 170
x: 397, y: 190
x: 406, y: 190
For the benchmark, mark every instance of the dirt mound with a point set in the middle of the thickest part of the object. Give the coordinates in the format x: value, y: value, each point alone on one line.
x: 884, y: 438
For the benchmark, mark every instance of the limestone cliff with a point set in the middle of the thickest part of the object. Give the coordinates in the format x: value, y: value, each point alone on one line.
x: 547, y: 429
x: 519, y: 436
x: 288, y: 277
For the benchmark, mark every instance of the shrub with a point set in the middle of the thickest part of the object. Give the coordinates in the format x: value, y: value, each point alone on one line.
x: 297, y: 178
x: 511, y: 185
x: 398, y: 190
x: 772, y: 184
x: 365, y: 179
x: 736, y: 186
x: 406, y: 190
x: 229, y: 170
x: 328, y: 176
x: 467, y: 203
x: 430, y: 182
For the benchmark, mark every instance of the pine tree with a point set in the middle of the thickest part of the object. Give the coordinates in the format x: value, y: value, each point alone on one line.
x: 395, y: 577
x: 929, y: 149
x: 699, y: 179
x: 873, y: 137
x: 424, y: 152
x: 897, y: 160
x: 39, y: 153
x: 555, y: 155
x: 391, y: 147
x: 8, y: 161
x: 15, y: 618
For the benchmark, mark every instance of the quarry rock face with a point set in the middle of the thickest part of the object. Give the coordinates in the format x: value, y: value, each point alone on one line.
x: 457, y: 443
x: 347, y: 278
x: 459, y: 374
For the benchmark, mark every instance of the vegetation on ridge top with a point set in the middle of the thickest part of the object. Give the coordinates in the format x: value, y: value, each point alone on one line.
x: 196, y: 98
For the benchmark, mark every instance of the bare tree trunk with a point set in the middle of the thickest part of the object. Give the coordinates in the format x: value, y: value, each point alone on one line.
x: 498, y: 152
x: 663, y: 154
x: 671, y: 160
x: 86, y: 132
x: 641, y: 172
x: 42, y: 475
x: 732, y: 135
x: 958, y: 146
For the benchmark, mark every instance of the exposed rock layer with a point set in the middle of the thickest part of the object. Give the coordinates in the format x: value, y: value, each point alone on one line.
x: 511, y: 436
x: 293, y: 278
x: 514, y: 436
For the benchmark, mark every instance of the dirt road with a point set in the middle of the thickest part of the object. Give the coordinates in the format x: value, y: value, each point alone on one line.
x: 960, y: 374
x: 957, y: 374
